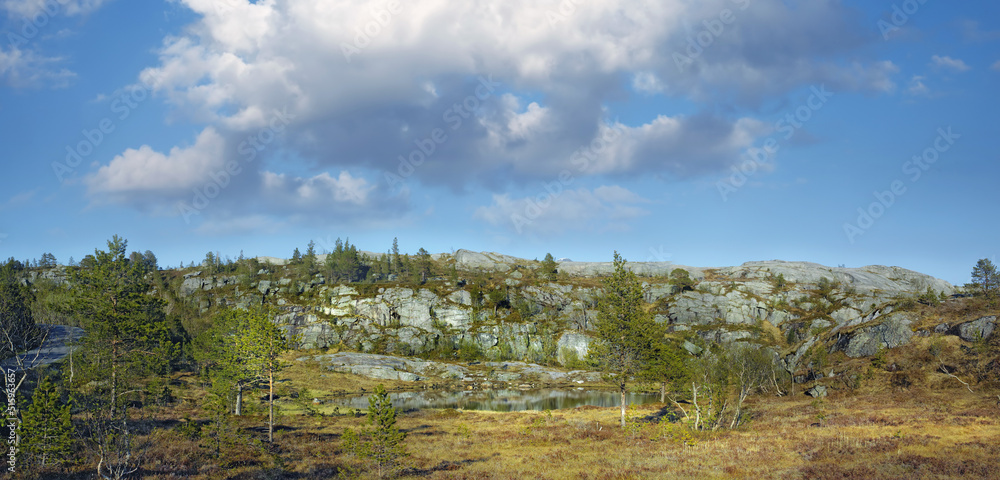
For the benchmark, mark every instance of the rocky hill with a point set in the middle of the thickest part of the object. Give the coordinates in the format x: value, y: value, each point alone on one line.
x: 499, y: 307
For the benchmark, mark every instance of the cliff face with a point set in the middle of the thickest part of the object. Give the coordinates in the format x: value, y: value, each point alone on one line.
x: 519, y: 316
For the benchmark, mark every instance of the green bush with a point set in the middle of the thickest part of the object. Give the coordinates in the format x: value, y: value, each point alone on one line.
x: 571, y: 359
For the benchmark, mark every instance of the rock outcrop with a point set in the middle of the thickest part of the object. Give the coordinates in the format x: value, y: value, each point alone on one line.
x: 891, y: 332
x: 542, y: 320
x: 488, y: 374
x: 979, y: 329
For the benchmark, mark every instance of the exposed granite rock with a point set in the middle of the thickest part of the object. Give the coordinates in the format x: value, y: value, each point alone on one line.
x: 817, y: 391
x: 727, y: 304
x: 573, y: 342
x: 978, y: 329
x: 388, y: 367
x: 892, y: 332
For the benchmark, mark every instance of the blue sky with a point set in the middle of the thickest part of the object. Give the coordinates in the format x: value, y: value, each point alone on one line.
x: 704, y: 133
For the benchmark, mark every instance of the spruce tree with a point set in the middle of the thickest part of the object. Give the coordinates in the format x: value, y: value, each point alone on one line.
x: 46, y: 428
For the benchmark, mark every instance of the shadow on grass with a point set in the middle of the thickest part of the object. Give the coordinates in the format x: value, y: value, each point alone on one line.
x: 666, y: 413
x: 445, y: 466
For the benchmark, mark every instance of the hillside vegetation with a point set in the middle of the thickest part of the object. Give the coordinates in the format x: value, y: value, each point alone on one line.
x: 769, y: 369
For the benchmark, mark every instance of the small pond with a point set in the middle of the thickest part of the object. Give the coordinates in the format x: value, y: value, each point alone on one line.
x: 503, y: 400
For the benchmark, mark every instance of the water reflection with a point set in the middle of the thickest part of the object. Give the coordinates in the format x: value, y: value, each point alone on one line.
x: 504, y: 400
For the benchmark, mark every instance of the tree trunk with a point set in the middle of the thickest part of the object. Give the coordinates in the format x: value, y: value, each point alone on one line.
x: 623, y: 406
x: 663, y: 392
x: 270, y: 401
x: 239, y: 399
x: 114, y: 379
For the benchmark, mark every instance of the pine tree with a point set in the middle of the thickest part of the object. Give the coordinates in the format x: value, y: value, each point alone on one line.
x: 681, y: 279
x: 382, y: 442
x: 150, y: 260
x: 626, y: 332
x: 210, y: 261
x: 296, y: 257
x: 549, y: 267
x: 17, y: 330
x: 985, y: 278
x: 48, y: 260
x: 309, y: 259
x: 46, y: 428
x: 256, y: 346
x: 127, y: 344
x: 424, y: 263
x: 219, y: 360
x: 665, y: 365
x: 397, y: 263
x: 127, y: 332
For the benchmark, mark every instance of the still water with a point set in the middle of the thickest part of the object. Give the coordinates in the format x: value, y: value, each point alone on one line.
x: 504, y: 400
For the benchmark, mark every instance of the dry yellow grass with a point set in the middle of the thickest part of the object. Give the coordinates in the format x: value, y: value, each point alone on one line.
x: 901, y: 418
x: 869, y: 433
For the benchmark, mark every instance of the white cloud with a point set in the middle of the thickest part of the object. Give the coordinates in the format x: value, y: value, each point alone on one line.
x: 145, y: 170
x: 917, y: 87
x: 602, y: 209
x: 403, y: 76
x: 680, y: 147
x: 320, y: 191
x: 647, y: 82
x: 517, y: 99
x: 31, y: 8
x: 23, y: 68
x: 211, y: 180
x: 972, y: 32
x: 949, y: 63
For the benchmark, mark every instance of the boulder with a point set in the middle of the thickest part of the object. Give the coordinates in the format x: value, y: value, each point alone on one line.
x: 190, y: 285
x: 461, y: 297
x: 817, y: 391
x: 978, y: 329
x: 892, y: 332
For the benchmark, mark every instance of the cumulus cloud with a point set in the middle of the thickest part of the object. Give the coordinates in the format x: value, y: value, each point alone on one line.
x: 604, y: 208
x: 208, y: 180
x: 948, y: 63
x: 320, y: 191
x: 145, y: 170
x: 370, y: 84
x: 470, y: 94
